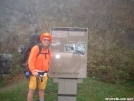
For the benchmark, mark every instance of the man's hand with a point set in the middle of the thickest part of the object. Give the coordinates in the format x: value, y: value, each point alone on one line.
x: 35, y: 74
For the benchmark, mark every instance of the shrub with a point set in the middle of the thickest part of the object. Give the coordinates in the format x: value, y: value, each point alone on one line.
x: 108, y: 60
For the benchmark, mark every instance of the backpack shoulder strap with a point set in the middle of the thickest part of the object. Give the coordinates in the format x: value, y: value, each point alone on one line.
x: 40, y: 47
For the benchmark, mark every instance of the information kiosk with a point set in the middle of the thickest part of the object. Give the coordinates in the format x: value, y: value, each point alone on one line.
x: 69, y: 60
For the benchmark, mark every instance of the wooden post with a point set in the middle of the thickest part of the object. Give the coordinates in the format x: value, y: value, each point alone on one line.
x: 67, y: 88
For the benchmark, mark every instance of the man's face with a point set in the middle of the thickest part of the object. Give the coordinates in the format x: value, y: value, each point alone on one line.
x: 45, y: 41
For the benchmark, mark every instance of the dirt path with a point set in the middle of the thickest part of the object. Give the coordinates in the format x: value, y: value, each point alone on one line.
x: 14, y: 81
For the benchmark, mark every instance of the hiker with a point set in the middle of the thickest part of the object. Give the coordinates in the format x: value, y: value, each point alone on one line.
x: 39, y: 65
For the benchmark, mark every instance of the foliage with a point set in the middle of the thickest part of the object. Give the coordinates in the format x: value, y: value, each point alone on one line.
x: 109, y: 60
x: 110, y: 25
x: 9, y: 45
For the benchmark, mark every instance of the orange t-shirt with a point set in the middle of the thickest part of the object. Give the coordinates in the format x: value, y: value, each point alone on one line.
x: 40, y: 62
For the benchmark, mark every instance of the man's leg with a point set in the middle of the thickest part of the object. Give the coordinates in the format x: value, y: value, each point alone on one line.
x: 41, y: 94
x: 41, y: 87
x: 32, y: 87
x: 30, y: 95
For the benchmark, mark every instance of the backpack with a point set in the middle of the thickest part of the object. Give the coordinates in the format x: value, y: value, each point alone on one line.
x: 25, y: 52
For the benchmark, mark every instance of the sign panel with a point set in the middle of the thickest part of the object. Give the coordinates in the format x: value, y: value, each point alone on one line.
x: 69, y: 52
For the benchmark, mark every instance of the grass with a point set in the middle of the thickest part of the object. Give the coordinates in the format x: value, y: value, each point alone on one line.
x: 89, y: 90
x: 93, y: 90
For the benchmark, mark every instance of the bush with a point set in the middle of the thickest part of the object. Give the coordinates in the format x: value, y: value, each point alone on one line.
x: 9, y: 45
x: 108, y: 60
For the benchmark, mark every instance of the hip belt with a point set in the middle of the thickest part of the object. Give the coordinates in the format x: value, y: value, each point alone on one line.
x: 41, y: 75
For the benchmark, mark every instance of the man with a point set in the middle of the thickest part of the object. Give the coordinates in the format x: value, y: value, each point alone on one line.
x: 39, y: 65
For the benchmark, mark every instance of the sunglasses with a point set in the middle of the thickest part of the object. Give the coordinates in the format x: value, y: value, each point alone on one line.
x: 46, y: 40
